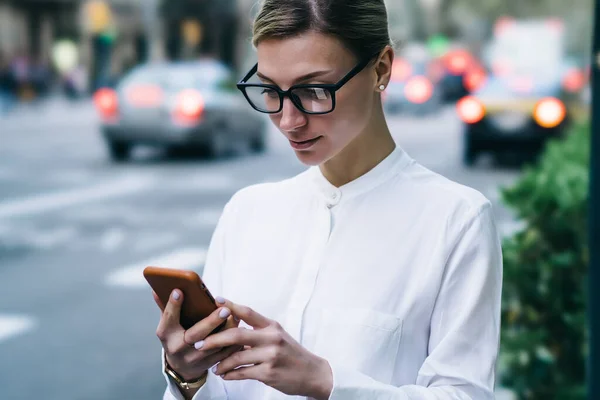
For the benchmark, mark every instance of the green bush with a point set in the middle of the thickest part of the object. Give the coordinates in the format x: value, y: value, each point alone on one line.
x: 544, y: 336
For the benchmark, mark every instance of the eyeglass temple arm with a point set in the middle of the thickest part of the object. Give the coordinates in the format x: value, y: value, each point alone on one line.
x: 249, y: 74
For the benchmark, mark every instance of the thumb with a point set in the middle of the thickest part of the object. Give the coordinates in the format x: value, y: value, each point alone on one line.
x: 172, y: 312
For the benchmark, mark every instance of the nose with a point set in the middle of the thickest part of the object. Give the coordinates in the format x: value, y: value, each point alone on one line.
x: 291, y: 117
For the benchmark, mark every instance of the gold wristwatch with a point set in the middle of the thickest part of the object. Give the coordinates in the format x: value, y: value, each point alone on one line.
x: 183, y: 384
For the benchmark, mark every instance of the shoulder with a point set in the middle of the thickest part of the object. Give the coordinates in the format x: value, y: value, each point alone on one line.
x: 455, y: 202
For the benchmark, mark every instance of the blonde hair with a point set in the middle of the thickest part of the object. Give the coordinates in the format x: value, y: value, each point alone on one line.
x: 361, y: 25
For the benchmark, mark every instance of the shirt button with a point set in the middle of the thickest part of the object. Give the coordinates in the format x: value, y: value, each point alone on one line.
x: 334, y: 195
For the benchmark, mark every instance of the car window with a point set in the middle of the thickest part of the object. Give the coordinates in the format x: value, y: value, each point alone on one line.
x: 173, y: 78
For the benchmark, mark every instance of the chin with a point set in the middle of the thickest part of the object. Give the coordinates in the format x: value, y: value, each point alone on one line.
x: 311, y: 158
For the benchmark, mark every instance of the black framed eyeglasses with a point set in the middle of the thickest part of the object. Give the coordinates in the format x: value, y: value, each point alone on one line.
x: 314, y: 99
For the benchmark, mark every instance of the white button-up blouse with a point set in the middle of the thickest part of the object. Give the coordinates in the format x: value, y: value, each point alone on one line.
x: 394, y: 278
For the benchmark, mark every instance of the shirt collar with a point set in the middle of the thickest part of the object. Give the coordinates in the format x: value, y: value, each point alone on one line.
x: 393, y: 163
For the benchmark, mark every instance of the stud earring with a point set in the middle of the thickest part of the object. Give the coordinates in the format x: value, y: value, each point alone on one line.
x: 381, y: 87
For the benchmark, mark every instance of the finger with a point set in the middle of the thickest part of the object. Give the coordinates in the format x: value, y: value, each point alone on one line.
x: 203, y: 328
x: 237, y: 337
x: 222, y: 354
x: 245, y: 313
x: 169, y: 321
x: 254, y: 356
x: 157, y: 301
x: 255, y: 373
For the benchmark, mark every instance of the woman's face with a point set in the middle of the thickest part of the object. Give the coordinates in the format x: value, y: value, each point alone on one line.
x: 317, y: 58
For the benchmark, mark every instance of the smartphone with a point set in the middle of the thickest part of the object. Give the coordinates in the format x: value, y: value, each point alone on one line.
x: 198, y: 303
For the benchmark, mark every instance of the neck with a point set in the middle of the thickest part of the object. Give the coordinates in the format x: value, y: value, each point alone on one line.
x: 363, y: 154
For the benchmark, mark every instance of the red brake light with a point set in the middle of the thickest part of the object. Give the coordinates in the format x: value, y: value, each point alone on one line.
x: 474, y: 79
x: 401, y: 70
x: 470, y: 110
x: 189, y: 106
x: 457, y: 62
x: 107, y: 103
x: 549, y: 112
x: 574, y: 80
x: 418, y: 90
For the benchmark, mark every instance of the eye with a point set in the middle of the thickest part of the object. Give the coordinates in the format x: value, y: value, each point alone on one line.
x: 313, y: 94
x: 269, y: 92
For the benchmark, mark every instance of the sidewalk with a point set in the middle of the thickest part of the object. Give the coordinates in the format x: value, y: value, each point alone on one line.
x: 54, y: 111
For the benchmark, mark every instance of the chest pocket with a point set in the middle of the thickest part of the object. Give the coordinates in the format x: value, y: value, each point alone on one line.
x: 361, y: 339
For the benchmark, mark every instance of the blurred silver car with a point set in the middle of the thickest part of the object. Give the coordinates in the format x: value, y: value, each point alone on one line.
x: 176, y: 105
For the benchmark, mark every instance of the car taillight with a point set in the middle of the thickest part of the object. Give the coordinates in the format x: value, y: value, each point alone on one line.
x: 189, y: 106
x: 457, y: 62
x: 549, y: 112
x: 401, y: 70
x: 418, y: 90
x: 107, y: 103
x: 474, y: 79
x: 574, y: 80
x: 470, y: 110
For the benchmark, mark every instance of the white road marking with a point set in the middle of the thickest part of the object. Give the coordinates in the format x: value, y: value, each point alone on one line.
x: 14, y: 325
x: 131, y: 276
x: 151, y: 240
x: 53, y: 201
x: 112, y: 239
x: 211, y: 181
x: 207, y: 217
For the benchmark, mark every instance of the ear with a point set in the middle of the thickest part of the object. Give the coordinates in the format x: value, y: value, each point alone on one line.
x: 383, y: 68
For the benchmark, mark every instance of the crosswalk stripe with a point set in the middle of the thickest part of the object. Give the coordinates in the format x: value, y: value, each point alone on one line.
x: 52, y: 201
x: 14, y: 325
x: 131, y: 276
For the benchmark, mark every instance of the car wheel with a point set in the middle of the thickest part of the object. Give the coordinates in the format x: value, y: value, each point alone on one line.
x: 119, y: 151
x: 469, y: 152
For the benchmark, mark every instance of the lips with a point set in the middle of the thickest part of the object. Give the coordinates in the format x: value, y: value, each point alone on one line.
x: 305, y: 144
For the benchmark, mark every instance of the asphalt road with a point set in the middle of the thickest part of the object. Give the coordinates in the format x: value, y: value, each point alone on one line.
x: 77, y: 320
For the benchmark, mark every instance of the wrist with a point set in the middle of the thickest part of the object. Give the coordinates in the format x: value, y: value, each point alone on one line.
x: 322, y: 380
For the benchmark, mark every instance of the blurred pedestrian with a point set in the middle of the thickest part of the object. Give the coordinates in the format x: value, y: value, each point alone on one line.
x: 369, y: 276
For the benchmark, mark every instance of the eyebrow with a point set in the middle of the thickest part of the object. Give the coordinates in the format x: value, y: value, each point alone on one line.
x: 303, y: 78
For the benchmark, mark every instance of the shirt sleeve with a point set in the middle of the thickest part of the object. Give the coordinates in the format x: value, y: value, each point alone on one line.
x: 465, y: 327
x: 214, y: 388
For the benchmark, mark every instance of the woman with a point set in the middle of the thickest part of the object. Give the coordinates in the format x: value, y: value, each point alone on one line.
x: 368, y: 276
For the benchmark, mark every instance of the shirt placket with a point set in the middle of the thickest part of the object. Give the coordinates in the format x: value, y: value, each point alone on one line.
x: 309, y: 272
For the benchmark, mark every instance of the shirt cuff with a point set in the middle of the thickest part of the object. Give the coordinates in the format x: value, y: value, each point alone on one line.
x: 213, y: 388
x: 349, y: 384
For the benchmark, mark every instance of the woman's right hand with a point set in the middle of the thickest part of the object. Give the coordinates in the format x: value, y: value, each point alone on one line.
x: 183, y: 348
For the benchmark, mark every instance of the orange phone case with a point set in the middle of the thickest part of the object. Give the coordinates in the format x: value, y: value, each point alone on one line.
x: 198, y: 303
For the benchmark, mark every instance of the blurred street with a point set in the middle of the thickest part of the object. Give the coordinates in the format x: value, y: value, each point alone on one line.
x: 77, y: 320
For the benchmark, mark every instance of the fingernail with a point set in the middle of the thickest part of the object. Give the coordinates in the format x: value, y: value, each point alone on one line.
x: 199, y: 345
x: 220, y: 300
x: 224, y: 313
x: 214, y: 369
x: 176, y: 295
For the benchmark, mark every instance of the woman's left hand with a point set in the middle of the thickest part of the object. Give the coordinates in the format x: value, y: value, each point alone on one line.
x: 270, y: 356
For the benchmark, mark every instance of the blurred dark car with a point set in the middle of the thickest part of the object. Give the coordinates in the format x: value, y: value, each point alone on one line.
x: 513, y: 114
x: 412, y: 88
x: 178, y: 105
x: 459, y: 72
